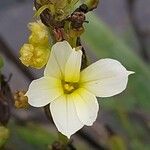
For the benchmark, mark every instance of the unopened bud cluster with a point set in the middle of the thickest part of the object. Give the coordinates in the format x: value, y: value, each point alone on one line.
x: 59, y: 9
x: 36, y: 53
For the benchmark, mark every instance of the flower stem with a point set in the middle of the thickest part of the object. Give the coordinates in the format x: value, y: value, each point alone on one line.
x: 63, y: 139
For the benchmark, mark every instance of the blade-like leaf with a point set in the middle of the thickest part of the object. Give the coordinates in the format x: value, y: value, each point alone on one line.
x: 31, y: 137
x: 1, y: 62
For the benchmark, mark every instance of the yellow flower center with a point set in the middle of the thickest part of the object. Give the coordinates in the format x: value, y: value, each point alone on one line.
x: 69, y: 87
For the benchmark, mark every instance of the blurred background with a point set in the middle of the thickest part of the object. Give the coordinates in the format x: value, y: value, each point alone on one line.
x: 118, y: 29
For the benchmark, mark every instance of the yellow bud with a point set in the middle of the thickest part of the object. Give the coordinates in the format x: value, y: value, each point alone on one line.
x: 39, y: 34
x: 26, y: 53
x: 59, y: 9
x: 35, y: 57
x: 40, y: 58
x: 4, y: 135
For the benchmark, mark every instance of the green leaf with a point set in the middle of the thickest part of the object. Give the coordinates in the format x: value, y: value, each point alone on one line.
x: 105, y: 44
x: 1, y: 62
x: 116, y: 143
x: 31, y: 137
x: 36, y: 136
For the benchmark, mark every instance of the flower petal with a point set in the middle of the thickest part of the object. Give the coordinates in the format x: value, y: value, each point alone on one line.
x: 44, y: 90
x: 86, y: 106
x: 58, y: 58
x: 73, y: 65
x: 105, y: 78
x: 65, y: 116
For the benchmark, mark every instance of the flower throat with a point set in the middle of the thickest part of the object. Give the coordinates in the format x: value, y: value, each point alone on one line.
x: 69, y: 87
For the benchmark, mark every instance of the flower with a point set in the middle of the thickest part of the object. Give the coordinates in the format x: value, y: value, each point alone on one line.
x: 35, y: 57
x: 36, y: 53
x: 39, y: 34
x: 72, y: 93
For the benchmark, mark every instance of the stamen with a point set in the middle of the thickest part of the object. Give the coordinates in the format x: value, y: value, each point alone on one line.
x: 69, y: 87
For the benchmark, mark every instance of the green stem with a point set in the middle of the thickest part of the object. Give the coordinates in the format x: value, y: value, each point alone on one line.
x: 63, y: 139
x: 73, y: 42
x: 92, y: 4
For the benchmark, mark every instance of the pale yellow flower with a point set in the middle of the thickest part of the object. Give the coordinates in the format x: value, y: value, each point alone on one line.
x: 39, y: 34
x: 36, y: 53
x: 72, y: 93
x: 35, y: 57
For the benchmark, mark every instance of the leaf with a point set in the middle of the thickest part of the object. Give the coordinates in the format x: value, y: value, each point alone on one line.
x: 32, y: 137
x: 105, y: 44
x: 36, y: 136
x: 116, y: 143
x: 1, y: 62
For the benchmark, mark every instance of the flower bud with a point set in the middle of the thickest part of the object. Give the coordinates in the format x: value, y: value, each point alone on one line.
x: 58, y: 9
x: 40, y: 58
x: 35, y: 57
x: 4, y: 135
x: 26, y: 53
x: 21, y: 101
x: 39, y: 34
